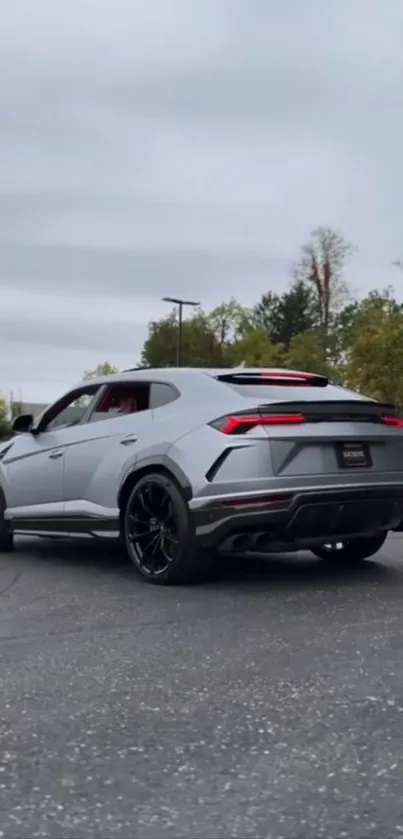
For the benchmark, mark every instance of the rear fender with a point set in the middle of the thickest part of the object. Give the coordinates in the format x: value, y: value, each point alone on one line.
x: 157, y: 462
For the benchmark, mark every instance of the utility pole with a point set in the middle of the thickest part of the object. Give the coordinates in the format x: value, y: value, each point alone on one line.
x: 180, y: 304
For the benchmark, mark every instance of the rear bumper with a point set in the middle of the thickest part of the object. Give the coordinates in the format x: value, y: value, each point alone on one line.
x: 287, y: 520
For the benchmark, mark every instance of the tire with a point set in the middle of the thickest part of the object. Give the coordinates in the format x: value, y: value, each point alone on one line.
x: 158, y: 534
x: 6, y: 536
x: 352, y: 551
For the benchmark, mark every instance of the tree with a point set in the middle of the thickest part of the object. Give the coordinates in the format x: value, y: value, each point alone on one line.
x: 227, y: 321
x: 289, y: 314
x: 103, y: 369
x: 306, y: 353
x: 15, y: 409
x: 321, y: 264
x: 254, y: 348
x: 200, y: 347
x: 5, y: 425
x: 375, y: 361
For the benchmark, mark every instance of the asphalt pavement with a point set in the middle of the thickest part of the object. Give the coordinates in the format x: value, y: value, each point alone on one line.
x: 265, y: 703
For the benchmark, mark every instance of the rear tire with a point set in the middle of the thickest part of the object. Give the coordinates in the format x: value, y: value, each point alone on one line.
x: 352, y: 551
x: 6, y: 536
x: 158, y: 534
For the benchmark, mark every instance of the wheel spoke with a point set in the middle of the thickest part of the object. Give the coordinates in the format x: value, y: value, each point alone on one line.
x: 138, y: 539
x: 146, y: 504
x: 167, y: 556
x: 153, y: 556
x: 137, y: 521
x: 152, y: 542
x: 170, y: 516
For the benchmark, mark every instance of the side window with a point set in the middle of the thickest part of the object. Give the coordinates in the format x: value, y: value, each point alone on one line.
x: 70, y: 410
x: 122, y: 399
x: 162, y: 394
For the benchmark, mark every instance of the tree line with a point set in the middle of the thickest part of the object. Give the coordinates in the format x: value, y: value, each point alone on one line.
x: 316, y: 324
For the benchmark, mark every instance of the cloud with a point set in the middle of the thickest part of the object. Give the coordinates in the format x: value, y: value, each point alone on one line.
x: 183, y: 148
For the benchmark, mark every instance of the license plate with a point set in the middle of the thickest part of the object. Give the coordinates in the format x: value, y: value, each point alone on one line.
x: 353, y: 455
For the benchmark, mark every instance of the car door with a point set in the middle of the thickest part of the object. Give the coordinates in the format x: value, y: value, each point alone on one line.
x: 119, y: 421
x: 33, y: 467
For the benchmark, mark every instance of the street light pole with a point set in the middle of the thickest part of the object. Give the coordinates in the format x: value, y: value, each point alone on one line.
x: 180, y: 304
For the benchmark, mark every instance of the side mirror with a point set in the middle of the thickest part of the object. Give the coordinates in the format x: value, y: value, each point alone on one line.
x: 23, y: 423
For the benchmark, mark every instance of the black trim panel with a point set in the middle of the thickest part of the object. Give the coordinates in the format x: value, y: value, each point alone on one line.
x: 309, y: 515
x: 216, y: 466
x: 73, y: 524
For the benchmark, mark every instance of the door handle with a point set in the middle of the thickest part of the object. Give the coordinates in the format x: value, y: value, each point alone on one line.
x: 128, y: 440
x: 56, y: 454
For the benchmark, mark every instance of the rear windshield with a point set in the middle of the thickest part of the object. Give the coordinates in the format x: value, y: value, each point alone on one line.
x: 281, y: 393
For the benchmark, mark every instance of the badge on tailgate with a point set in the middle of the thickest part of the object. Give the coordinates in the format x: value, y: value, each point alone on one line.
x: 353, y: 455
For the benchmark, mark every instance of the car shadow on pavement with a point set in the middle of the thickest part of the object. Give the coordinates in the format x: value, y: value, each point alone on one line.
x: 301, y: 569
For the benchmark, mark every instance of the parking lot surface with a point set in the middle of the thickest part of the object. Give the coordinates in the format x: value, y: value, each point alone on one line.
x: 267, y: 702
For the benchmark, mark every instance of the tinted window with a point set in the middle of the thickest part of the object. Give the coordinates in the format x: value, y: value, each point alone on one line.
x: 122, y: 399
x: 162, y: 394
x: 285, y: 393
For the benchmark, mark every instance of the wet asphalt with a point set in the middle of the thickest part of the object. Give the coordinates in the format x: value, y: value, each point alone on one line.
x: 267, y: 702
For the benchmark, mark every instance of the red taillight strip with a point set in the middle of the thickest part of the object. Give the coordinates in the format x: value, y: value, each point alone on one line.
x: 395, y: 421
x: 284, y: 374
x: 257, y: 501
x: 241, y: 423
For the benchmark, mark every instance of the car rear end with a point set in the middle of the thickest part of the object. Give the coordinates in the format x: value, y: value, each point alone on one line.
x: 300, y: 462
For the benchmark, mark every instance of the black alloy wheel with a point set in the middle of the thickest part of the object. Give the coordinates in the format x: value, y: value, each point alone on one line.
x: 159, y: 534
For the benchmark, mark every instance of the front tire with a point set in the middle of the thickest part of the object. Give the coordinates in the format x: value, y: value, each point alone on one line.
x: 159, y: 535
x: 352, y: 551
x: 6, y: 536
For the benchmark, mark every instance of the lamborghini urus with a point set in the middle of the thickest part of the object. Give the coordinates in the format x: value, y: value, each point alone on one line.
x: 181, y: 464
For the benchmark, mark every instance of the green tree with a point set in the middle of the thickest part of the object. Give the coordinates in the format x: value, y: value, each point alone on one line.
x: 321, y: 265
x: 306, y: 353
x: 5, y: 425
x: 103, y: 369
x: 255, y: 348
x: 227, y: 322
x: 289, y: 314
x: 375, y: 359
x: 200, y: 347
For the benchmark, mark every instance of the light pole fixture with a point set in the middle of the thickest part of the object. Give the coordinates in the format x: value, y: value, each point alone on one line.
x: 180, y: 304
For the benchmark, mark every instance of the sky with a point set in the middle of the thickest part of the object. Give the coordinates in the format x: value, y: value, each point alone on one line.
x: 183, y: 147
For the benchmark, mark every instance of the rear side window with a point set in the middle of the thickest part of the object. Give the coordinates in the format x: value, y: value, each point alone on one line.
x: 162, y: 394
x: 284, y: 393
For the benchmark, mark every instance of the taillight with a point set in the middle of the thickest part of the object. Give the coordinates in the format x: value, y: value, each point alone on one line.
x: 241, y: 423
x: 397, y: 422
x: 282, y: 500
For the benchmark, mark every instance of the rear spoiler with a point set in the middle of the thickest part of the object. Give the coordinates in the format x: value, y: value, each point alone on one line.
x: 274, y: 377
x: 346, y: 409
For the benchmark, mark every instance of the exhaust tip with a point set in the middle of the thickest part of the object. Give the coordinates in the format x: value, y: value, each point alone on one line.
x: 262, y: 541
x: 241, y: 542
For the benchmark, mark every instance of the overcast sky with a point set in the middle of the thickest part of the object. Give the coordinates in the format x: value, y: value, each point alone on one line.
x: 183, y: 147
